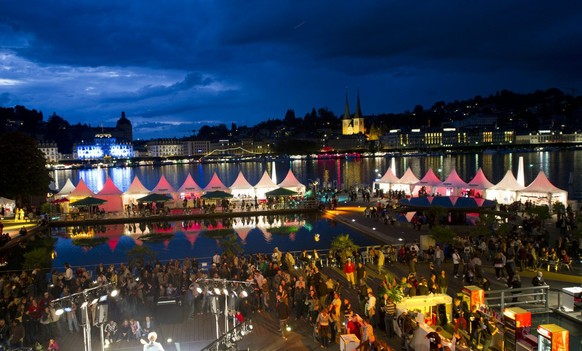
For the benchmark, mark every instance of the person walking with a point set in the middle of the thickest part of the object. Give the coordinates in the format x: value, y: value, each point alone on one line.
x: 282, y: 310
x: 456, y: 263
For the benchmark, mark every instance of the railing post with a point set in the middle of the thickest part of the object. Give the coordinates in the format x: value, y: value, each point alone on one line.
x: 547, y: 293
x: 502, y: 303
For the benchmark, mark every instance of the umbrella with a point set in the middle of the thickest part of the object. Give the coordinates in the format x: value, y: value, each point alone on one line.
x: 281, y: 192
x: 218, y: 194
x: 88, y: 201
x: 154, y: 198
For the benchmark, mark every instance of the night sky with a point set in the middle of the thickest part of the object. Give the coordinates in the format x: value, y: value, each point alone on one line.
x: 173, y: 66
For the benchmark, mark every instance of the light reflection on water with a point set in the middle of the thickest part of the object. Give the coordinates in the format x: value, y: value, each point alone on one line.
x: 200, y: 238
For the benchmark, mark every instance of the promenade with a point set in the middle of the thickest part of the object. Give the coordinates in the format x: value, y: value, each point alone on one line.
x: 194, y: 334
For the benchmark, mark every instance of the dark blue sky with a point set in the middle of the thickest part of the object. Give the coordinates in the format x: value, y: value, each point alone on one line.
x: 176, y: 65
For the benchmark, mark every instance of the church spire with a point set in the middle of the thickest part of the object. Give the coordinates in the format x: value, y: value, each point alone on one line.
x: 358, y: 108
x: 347, y: 111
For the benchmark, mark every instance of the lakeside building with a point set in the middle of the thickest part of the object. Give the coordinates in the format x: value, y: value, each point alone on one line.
x: 356, y: 124
x: 165, y: 148
x: 50, y: 151
x: 104, y: 145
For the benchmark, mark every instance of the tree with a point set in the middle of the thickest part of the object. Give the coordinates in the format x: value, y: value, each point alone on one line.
x: 344, y: 245
x: 443, y: 235
x: 23, y: 173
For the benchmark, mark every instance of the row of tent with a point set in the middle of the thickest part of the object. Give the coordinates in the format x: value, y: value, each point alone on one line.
x: 507, y: 191
x: 117, y: 199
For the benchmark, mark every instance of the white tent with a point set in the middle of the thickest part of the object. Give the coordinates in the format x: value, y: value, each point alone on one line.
x: 265, y: 184
x: 241, y: 188
x: 542, y: 192
x: 504, y: 192
x: 406, y: 182
x: 290, y: 182
x: 135, y: 191
x: 388, y: 179
x: 66, y: 189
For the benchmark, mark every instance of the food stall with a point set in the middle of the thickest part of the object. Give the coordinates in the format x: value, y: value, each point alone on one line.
x: 517, y: 325
x: 552, y: 337
x: 473, y: 296
x: 425, y: 309
x: 570, y: 298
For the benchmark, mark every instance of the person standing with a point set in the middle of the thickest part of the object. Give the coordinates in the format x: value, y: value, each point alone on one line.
x: 282, y: 310
x: 349, y: 269
x: 538, y: 280
x: 443, y: 282
x: 389, y: 312
x: 488, y: 331
x: 323, y: 325
x: 456, y: 263
x: 381, y: 259
x: 434, y: 339
x: 361, y: 274
x: 370, y: 307
x: 438, y: 257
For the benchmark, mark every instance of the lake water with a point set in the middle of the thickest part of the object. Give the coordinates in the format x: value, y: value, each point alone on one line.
x: 201, y: 238
x: 559, y: 166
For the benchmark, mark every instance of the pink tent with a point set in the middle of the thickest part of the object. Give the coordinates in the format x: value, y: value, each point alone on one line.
x: 453, y: 185
x: 163, y: 186
x: 190, y: 189
x: 112, y: 195
x: 216, y: 184
x: 430, y: 182
x: 480, y: 181
x: 81, y: 190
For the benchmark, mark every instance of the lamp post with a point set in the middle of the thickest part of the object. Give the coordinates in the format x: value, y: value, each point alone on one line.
x: 89, y: 297
x: 220, y: 287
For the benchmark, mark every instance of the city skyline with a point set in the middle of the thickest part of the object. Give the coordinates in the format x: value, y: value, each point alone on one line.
x: 175, y: 67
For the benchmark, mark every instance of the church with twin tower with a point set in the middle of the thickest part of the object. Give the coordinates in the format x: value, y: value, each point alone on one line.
x: 353, y: 125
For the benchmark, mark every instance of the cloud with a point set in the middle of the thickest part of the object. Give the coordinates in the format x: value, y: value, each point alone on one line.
x: 246, y: 61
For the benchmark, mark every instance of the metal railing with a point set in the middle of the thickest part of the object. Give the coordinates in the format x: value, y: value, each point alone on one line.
x: 536, y: 298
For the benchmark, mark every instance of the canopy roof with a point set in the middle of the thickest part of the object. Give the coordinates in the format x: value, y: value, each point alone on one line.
x: 507, y: 183
x: 430, y: 179
x: 109, y: 188
x: 215, y: 184
x: 88, y: 201
x: 281, y: 192
x: 389, y: 177
x: 154, y: 198
x: 189, y: 186
x: 266, y: 182
x: 137, y: 187
x: 217, y: 194
x: 480, y: 181
x: 67, y: 188
x: 81, y: 190
x: 408, y: 177
x: 541, y: 185
x: 290, y: 181
x: 163, y: 186
x: 454, y: 181
x: 241, y: 182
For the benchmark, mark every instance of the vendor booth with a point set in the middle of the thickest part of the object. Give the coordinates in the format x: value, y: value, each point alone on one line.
x: 429, y: 311
x: 552, y: 337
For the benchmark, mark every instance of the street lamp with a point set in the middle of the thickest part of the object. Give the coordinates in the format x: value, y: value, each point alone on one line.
x: 94, y: 296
